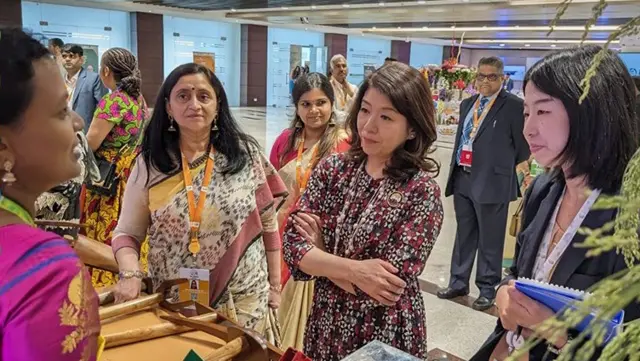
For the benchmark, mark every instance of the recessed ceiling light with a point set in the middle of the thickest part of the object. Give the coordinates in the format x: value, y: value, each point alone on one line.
x: 421, y: 2
x: 381, y: 3
x: 313, y: 7
x: 237, y: 21
x: 453, y: 26
x: 501, y: 44
x: 527, y: 45
x: 345, y: 5
x: 425, y: 27
x: 399, y: 27
x: 374, y: 28
x: 553, y: 45
x: 233, y: 10
x: 285, y: 8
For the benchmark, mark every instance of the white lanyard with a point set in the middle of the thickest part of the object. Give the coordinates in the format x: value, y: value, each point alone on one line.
x: 544, y: 265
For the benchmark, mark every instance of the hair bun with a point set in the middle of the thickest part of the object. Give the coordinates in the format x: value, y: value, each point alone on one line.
x: 132, y: 84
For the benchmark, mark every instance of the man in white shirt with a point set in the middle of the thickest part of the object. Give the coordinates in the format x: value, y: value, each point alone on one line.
x: 343, y: 90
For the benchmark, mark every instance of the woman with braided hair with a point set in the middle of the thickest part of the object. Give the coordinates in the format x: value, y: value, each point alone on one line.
x: 112, y: 136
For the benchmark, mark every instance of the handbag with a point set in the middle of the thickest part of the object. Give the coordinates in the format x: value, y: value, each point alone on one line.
x: 107, y: 185
x: 516, y: 220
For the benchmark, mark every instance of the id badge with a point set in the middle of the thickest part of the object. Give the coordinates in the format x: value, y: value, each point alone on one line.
x: 466, y: 155
x: 197, y: 287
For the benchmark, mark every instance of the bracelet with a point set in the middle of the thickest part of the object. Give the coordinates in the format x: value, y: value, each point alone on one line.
x: 275, y: 288
x: 131, y: 274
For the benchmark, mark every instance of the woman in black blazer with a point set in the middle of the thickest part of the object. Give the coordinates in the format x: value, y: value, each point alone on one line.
x: 586, y: 147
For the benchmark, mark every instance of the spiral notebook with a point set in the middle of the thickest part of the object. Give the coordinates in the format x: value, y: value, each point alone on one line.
x: 559, y: 298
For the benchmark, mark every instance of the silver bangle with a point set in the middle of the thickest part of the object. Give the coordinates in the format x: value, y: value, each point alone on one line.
x: 131, y: 274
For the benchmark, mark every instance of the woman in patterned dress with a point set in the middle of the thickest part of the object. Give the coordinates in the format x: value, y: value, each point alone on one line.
x: 368, y: 220
x: 312, y: 136
x: 193, y: 139
x: 112, y: 136
x: 48, y: 308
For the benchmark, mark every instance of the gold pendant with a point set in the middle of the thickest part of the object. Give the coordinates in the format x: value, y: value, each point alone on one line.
x: 194, y: 246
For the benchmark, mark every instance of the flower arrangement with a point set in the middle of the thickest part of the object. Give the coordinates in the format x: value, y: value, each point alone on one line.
x: 457, y: 76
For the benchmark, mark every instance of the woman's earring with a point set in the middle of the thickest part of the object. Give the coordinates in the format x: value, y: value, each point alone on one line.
x: 215, y: 124
x: 299, y: 124
x: 171, y: 127
x: 8, y: 178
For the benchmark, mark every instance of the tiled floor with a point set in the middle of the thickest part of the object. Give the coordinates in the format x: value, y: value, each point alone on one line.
x: 452, y: 327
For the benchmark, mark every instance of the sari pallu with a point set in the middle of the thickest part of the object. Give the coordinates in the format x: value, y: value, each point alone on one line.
x: 238, y: 220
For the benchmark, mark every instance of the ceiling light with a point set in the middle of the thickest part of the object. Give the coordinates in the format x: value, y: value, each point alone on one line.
x: 313, y: 7
x: 553, y: 45
x: 425, y: 27
x: 345, y: 5
x: 374, y: 28
x: 233, y: 10
x: 285, y: 8
x: 501, y: 44
x: 542, y: 28
x: 399, y: 27
x: 527, y: 45
x: 536, y: 41
x: 421, y: 2
x: 381, y: 3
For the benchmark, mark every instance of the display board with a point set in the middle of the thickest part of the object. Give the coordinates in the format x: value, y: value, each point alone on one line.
x: 364, y: 55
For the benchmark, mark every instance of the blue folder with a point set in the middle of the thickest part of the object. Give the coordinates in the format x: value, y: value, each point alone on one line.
x: 558, y: 298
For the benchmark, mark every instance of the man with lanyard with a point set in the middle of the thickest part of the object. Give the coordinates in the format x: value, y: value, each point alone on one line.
x: 344, y: 91
x: 482, y: 179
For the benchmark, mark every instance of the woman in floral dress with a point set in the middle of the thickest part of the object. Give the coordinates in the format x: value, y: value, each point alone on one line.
x: 368, y: 220
x: 112, y: 136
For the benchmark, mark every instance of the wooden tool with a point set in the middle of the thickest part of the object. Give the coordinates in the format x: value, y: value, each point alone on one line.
x: 129, y: 307
x: 152, y: 332
x: 241, y: 344
x: 95, y: 254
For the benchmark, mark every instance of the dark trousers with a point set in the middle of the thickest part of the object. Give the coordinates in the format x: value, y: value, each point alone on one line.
x: 481, y: 227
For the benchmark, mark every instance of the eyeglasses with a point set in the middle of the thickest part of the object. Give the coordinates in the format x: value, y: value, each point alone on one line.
x: 490, y: 77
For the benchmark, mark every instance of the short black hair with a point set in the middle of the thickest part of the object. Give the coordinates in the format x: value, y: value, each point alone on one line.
x: 388, y: 59
x: 56, y: 42
x: 492, y: 61
x: 603, y: 134
x: 17, y: 72
x: 73, y: 49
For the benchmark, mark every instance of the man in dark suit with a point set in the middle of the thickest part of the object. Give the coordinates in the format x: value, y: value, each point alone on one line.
x: 84, y: 87
x: 489, y: 144
x: 508, y: 83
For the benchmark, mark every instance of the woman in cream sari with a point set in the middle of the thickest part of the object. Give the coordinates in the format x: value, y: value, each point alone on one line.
x: 313, y: 135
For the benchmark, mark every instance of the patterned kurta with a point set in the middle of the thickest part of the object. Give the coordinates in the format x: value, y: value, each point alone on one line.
x: 401, y: 230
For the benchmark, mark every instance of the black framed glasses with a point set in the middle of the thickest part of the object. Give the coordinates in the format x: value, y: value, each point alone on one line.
x: 490, y: 77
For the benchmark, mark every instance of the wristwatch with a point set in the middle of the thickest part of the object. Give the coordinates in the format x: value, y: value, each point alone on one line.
x: 556, y: 350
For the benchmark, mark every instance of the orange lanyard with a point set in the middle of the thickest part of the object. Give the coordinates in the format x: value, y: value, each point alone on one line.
x: 300, y: 178
x: 476, y: 119
x: 195, y: 213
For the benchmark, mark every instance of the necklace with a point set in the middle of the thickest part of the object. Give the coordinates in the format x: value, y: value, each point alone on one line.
x: 352, y: 191
x: 199, y: 161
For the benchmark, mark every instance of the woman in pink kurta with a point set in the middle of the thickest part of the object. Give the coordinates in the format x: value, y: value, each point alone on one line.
x: 48, y: 308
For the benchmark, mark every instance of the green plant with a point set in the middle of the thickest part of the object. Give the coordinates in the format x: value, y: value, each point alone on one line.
x: 616, y: 292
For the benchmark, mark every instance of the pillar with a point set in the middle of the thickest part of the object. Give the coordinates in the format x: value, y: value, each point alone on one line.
x: 401, y: 51
x: 253, y: 70
x: 148, y: 43
x: 11, y: 13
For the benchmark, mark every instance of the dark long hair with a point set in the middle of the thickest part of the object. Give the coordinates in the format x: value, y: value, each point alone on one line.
x: 603, y: 131
x: 19, y: 51
x: 410, y: 95
x: 124, y: 66
x: 331, y: 135
x: 161, y: 148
